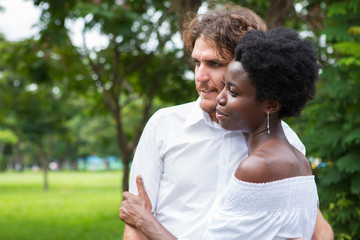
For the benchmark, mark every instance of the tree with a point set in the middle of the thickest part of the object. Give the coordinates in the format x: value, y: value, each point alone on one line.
x: 32, y: 106
x: 7, y: 138
x: 126, y: 74
x: 330, y: 125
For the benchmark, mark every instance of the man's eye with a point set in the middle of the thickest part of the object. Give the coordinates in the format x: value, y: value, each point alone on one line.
x: 196, y: 62
x: 215, y: 64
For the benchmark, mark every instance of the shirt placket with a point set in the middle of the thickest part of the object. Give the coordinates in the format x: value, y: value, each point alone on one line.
x: 224, y: 162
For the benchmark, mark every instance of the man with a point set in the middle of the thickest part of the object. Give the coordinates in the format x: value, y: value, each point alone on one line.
x: 185, y: 158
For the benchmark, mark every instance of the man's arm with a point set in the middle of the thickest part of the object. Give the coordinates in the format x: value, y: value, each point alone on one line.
x: 135, y: 211
x: 147, y: 163
x: 323, y: 230
x: 131, y: 233
x: 149, y: 226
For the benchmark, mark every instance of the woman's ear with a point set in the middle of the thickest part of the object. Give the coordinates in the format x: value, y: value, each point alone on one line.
x: 271, y: 106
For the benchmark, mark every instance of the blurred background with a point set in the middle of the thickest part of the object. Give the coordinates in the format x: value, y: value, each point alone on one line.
x: 80, y: 78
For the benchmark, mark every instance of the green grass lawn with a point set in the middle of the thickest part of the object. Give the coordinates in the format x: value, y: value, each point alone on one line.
x: 78, y: 205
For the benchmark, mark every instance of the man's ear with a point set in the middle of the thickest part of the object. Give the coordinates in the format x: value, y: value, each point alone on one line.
x: 271, y: 106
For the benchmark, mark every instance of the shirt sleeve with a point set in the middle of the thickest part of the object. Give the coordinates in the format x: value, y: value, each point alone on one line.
x: 293, y: 138
x: 147, y: 161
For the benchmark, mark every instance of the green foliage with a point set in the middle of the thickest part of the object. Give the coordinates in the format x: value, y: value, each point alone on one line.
x: 332, y: 121
x: 355, y: 30
x: 140, y: 64
x: 7, y: 139
x: 349, y: 163
x: 78, y: 206
x: 34, y: 86
x: 141, y: 69
x: 7, y: 136
x: 350, y: 48
x: 93, y: 135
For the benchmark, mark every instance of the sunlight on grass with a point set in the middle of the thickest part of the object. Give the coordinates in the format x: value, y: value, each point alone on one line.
x: 78, y: 205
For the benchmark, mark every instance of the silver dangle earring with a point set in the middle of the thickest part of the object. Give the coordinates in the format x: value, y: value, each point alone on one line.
x: 268, y: 122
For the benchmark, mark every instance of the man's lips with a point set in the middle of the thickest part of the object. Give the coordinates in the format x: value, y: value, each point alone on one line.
x: 207, y: 91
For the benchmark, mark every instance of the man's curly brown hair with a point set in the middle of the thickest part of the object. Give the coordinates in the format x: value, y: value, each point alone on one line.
x: 223, y: 28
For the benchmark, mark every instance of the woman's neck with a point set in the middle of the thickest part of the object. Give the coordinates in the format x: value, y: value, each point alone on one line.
x: 261, y: 135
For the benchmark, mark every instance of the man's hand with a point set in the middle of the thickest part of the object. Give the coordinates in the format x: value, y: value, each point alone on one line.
x: 135, y: 211
x: 135, y: 208
x: 323, y: 230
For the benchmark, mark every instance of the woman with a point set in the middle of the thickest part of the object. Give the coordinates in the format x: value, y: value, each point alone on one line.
x: 272, y: 194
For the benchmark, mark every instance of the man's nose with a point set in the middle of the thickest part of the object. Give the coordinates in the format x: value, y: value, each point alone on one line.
x: 202, y: 73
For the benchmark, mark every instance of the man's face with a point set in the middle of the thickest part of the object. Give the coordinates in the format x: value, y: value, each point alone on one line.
x: 209, y: 73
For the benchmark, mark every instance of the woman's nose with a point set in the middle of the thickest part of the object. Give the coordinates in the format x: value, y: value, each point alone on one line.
x: 221, y: 100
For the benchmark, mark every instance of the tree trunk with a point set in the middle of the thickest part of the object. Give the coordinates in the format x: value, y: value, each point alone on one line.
x: 21, y: 158
x: 278, y: 12
x: 112, y: 96
x: 182, y: 9
x: 124, y: 147
x: 45, y: 165
x: 125, y: 179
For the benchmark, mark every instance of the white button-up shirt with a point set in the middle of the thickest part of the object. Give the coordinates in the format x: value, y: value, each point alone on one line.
x: 186, y: 161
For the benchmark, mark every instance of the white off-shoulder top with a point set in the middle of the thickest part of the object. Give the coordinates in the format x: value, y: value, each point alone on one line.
x: 281, y: 209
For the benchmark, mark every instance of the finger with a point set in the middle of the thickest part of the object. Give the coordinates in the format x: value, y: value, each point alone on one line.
x: 140, y: 186
x: 142, y: 192
x: 120, y: 212
x: 126, y: 194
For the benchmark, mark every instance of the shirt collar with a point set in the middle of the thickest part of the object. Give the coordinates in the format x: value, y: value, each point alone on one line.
x: 196, y: 114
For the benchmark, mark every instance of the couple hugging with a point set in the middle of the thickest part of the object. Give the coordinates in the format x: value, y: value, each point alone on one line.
x: 226, y: 166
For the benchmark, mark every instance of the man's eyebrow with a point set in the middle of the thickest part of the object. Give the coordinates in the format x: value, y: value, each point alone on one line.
x: 213, y: 60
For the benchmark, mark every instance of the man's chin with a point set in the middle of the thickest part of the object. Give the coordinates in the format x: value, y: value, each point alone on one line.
x: 208, y: 106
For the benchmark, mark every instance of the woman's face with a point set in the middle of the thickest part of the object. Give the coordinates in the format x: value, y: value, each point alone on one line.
x: 237, y: 108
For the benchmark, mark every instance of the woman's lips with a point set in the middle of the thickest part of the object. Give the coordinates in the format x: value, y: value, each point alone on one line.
x: 220, y: 115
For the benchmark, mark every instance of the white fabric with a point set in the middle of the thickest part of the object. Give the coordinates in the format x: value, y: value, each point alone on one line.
x: 186, y: 161
x: 283, y: 209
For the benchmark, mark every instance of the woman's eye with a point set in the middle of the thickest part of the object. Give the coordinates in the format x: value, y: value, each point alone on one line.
x: 232, y: 93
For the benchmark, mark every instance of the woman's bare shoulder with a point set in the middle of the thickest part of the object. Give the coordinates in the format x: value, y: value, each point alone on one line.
x: 270, y: 162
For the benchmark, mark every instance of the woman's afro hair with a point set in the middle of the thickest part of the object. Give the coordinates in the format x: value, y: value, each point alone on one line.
x: 281, y: 66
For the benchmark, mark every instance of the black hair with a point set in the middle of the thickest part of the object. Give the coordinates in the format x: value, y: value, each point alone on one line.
x: 281, y: 66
